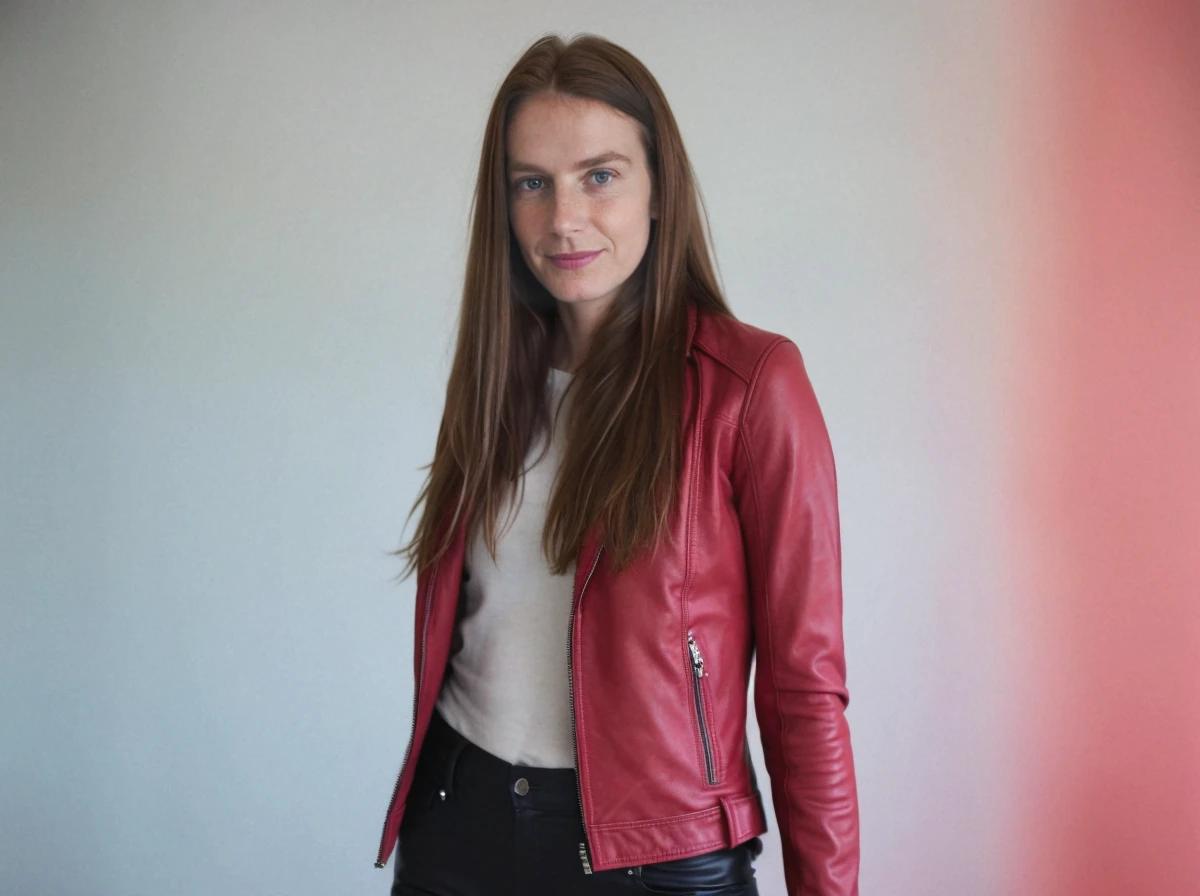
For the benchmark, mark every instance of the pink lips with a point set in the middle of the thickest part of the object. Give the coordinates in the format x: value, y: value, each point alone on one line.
x: 573, y: 260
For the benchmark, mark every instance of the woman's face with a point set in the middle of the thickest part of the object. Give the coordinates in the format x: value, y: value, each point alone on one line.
x: 578, y: 182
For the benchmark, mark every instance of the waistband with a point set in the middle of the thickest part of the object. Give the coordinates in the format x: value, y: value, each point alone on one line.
x: 465, y: 766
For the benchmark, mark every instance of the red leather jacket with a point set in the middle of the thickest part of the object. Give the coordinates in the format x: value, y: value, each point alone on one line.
x: 660, y: 654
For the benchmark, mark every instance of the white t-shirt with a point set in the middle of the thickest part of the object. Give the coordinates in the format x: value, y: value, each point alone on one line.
x: 506, y: 690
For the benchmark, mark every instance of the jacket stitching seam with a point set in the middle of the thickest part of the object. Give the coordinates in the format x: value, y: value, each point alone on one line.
x: 697, y: 747
x: 781, y: 812
x: 702, y: 815
x: 699, y: 815
x: 659, y: 823
x: 703, y: 717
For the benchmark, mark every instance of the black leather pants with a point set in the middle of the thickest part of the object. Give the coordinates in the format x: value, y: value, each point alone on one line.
x: 476, y: 825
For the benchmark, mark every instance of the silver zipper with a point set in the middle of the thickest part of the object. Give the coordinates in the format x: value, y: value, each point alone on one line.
x: 584, y: 858
x: 379, y: 862
x: 698, y: 669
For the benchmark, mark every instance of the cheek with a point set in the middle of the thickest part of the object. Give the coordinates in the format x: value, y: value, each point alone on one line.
x: 523, y: 226
x: 631, y: 225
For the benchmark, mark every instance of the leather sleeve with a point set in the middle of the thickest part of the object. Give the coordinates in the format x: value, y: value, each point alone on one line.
x: 786, y: 495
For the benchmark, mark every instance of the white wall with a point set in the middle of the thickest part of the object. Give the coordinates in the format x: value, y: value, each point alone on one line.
x: 231, y: 244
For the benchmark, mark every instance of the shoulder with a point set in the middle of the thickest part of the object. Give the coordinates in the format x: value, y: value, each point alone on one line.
x: 737, y: 349
x: 758, y: 378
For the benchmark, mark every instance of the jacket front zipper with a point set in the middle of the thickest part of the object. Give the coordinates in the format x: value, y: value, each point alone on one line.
x: 379, y: 862
x: 583, y: 849
x: 698, y: 670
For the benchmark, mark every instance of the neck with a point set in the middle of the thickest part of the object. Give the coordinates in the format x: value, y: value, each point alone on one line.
x: 577, y: 321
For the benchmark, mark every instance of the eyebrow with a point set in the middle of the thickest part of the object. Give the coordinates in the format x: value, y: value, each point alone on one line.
x: 514, y: 167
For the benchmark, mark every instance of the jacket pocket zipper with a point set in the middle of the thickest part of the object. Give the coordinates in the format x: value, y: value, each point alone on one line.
x: 698, y: 693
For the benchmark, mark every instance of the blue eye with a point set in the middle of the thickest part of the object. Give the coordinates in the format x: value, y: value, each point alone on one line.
x: 520, y: 185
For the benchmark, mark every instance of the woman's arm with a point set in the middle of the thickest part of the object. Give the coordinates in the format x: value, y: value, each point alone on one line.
x: 786, y: 493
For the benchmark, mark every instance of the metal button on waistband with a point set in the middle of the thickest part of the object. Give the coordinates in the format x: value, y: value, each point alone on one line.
x: 521, y: 786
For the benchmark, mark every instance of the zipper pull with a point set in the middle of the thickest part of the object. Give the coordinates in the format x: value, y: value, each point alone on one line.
x: 697, y: 659
x: 583, y: 858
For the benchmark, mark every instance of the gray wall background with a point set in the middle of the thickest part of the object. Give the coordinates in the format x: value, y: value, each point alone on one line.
x: 231, y: 248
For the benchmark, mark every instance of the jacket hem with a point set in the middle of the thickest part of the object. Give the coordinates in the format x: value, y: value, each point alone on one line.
x: 619, y: 844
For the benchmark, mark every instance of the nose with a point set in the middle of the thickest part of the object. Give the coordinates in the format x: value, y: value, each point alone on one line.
x: 570, y: 210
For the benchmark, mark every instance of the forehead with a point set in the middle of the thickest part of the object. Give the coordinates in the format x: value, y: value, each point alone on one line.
x: 553, y: 130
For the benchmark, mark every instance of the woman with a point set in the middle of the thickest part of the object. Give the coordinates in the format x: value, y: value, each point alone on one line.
x: 669, y: 512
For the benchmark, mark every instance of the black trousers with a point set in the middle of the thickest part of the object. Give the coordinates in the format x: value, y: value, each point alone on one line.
x: 476, y: 825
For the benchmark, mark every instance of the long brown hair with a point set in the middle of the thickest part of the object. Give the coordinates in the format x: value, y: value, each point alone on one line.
x: 622, y: 455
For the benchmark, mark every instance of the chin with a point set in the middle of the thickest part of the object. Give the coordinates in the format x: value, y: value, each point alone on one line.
x: 575, y: 298
x: 576, y: 292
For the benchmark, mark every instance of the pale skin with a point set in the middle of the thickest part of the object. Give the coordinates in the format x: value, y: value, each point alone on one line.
x: 578, y: 181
